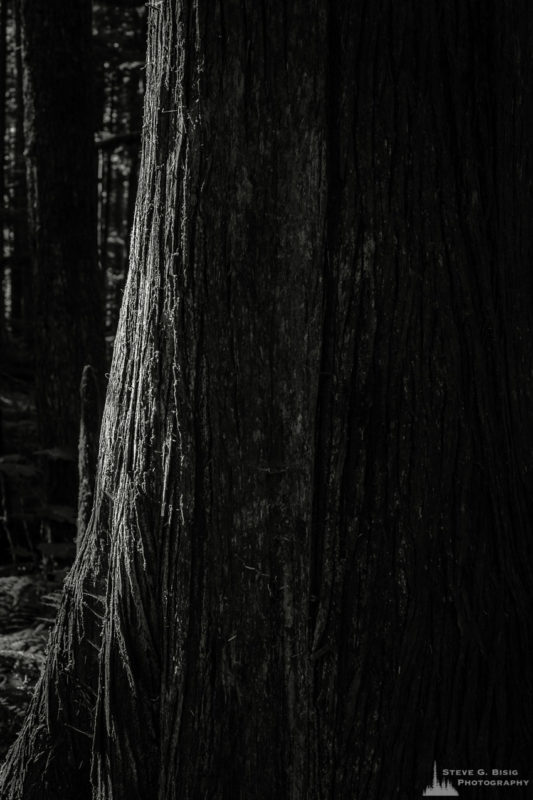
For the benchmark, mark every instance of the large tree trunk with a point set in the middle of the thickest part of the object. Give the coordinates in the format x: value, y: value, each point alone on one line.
x: 59, y: 125
x: 307, y: 572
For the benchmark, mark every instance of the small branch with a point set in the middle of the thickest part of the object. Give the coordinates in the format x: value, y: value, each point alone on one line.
x: 111, y: 142
x: 84, y: 733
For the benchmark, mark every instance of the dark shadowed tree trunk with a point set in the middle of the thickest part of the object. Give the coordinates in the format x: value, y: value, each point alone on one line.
x: 307, y: 572
x: 59, y: 124
x: 3, y: 61
x: 21, y: 277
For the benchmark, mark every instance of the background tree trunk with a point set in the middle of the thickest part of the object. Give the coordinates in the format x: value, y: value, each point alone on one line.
x: 3, y: 60
x: 307, y: 570
x: 59, y: 126
x: 22, y: 279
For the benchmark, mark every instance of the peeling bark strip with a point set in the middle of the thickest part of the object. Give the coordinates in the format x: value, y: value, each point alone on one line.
x: 307, y: 574
x: 90, y: 419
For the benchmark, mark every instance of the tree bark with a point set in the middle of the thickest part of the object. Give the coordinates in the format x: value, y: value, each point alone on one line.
x: 91, y: 416
x: 59, y: 126
x: 3, y: 61
x: 21, y: 274
x: 307, y: 573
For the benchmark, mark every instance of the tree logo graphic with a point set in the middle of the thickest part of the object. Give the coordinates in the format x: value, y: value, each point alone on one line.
x: 437, y: 789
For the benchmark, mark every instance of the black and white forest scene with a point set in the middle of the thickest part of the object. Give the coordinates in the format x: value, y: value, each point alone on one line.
x: 266, y: 399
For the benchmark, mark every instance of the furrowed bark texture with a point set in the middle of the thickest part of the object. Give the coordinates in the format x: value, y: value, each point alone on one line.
x: 59, y: 124
x: 307, y: 570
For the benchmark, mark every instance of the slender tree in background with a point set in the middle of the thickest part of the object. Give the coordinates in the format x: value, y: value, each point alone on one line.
x: 59, y: 126
x: 307, y: 573
x: 119, y: 52
x: 3, y: 61
x: 21, y: 273
x: 120, y: 84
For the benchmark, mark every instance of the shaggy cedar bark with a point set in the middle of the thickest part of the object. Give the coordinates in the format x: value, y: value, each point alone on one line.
x: 307, y: 570
x: 59, y: 124
x: 91, y: 416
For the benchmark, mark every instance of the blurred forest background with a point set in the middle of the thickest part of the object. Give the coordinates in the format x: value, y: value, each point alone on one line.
x: 70, y: 127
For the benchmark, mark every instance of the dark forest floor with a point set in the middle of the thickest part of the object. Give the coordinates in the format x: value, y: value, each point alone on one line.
x: 36, y: 540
